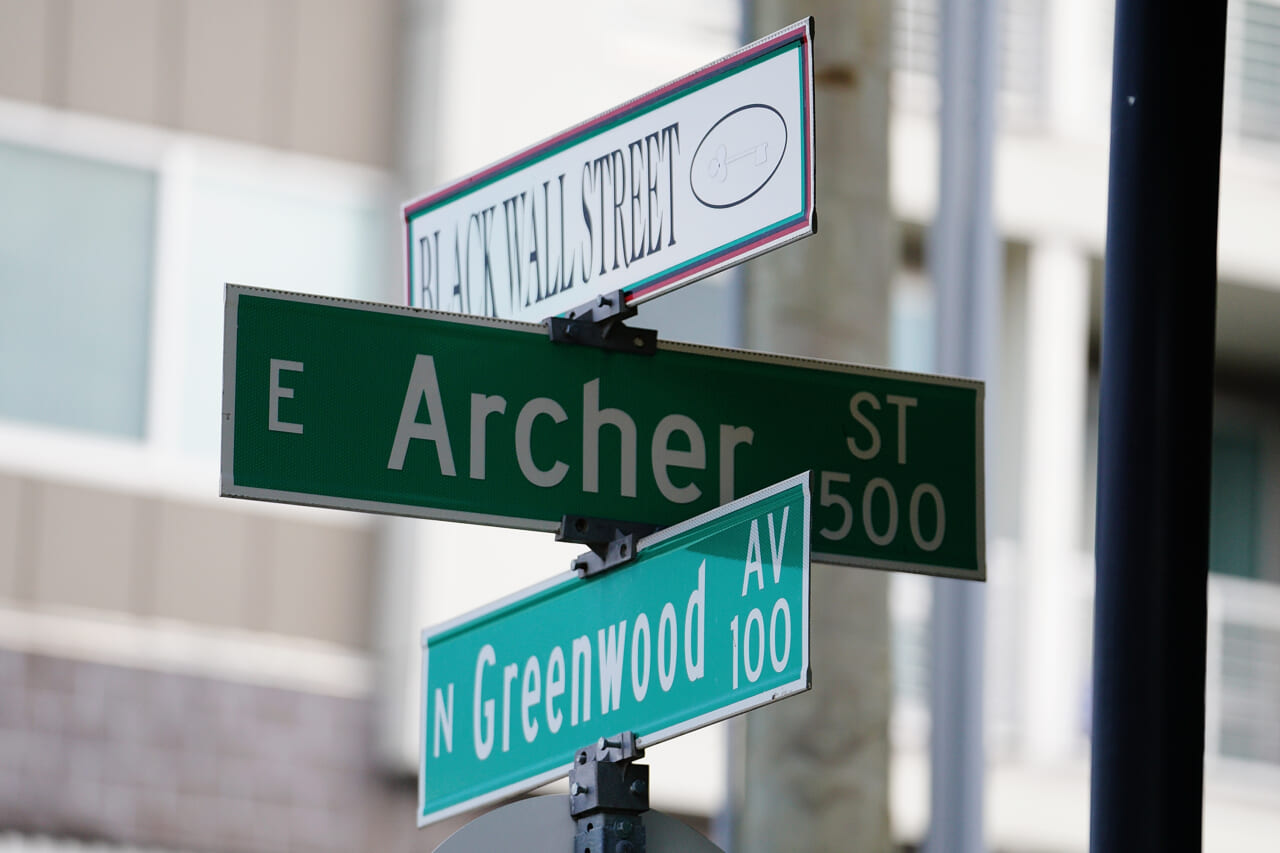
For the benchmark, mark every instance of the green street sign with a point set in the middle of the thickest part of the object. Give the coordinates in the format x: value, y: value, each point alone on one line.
x: 709, y: 620
x: 389, y: 409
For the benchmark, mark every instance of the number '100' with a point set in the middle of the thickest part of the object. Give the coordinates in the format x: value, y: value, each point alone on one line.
x: 779, y: 653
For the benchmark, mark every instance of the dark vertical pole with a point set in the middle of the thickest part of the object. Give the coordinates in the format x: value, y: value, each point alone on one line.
x: 1155, y: 427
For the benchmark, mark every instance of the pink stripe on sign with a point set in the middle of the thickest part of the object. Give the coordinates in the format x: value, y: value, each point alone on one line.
x: 799, y: 31
x: 710, y: 262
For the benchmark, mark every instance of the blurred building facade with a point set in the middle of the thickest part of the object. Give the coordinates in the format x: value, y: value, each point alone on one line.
x: 178, y: 671
x: 185, y: 672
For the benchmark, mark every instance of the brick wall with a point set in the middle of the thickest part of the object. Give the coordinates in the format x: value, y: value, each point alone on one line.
x: 100, y: 752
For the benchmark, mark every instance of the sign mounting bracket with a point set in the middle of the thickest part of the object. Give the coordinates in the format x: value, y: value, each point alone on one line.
x: 598, y: 323
x: 608, y: 794
x: 612, y: 543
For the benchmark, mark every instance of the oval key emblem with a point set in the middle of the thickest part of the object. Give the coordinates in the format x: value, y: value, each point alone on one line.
x: 738, y: 156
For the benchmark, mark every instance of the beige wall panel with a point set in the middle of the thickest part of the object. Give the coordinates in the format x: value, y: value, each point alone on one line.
x: 231, y: 62
x: 114, y: 58
x: 320, y: 582
x: 10, y: 518
x: 86, y: 548
x: 344, y: 79
x: 200, y: 569
x: 23, y: 47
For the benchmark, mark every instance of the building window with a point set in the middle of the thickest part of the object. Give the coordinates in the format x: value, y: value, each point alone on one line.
x: 1250, y: 693
x: 76, y: 248
x: 1260, y: 71
x: 916, y: 29
x: 273, y: 233
x: 1233, y: 504
x: 1022, y: 61
x: 915, y: 36
x: 916, y: 26
x: 1251, y: 96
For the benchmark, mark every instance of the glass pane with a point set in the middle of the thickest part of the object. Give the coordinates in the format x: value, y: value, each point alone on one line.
x: 1260, y: 71
x: 912, y: 338
x: 245, y: 231
x: 1233, y: 508
x: 76, y: 245
x: 1250, y: 693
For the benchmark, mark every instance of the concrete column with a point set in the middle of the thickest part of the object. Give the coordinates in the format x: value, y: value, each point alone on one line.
x: 1054, y: 626
x: 815, y: 772
x: 401, y: 595
x: 400, y: 608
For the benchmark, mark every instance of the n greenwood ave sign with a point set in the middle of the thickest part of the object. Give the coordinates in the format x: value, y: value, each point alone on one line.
x: 389, y: 409
x: 695, y: 176
x: 709, y: 620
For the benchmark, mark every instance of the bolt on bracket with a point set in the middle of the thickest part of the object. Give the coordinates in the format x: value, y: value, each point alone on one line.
x: 599, y: 324
x: 608, y: 794
x: 612, y: 543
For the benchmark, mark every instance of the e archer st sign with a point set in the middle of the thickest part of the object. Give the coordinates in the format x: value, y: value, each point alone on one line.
x: 693, y: 177
x: 383, y: 408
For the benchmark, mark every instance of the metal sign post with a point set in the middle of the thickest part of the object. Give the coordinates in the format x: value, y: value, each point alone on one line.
x: 608, y: 796
x: 1156, y: 427
x: 543, y: 825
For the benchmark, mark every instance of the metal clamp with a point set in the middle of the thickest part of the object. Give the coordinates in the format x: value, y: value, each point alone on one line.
x: 599, y: 324
x: 612, y: 543
x: 608, y: 793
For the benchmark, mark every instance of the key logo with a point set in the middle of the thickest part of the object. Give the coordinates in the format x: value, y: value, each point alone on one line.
x: 738, y: 156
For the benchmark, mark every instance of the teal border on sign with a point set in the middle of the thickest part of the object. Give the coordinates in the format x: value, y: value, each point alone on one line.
x: 797, y: 37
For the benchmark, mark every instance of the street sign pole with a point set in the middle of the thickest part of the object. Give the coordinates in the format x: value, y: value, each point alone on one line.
x: 710, y: 619
x: 543, y: 825
x: 1155, y: 428
x: 608, y: 796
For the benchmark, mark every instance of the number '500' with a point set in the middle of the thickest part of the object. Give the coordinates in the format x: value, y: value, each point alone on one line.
x: 880, y: 491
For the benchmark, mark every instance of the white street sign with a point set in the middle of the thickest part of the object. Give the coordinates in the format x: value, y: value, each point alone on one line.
x: 693, y: 177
